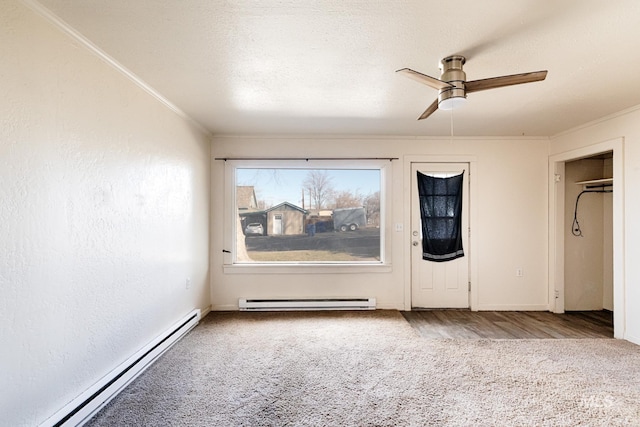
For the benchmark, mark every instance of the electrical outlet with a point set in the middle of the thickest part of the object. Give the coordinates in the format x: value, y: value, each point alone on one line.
x: 519, y: 272
x: 188, y: 283
x: 399, y: 226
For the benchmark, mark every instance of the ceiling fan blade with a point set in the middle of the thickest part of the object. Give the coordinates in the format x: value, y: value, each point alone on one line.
x: 430, y: 110
x: 495, y: 82
x: 423, y: 78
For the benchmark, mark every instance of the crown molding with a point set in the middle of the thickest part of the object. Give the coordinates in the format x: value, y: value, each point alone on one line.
x: 379, y: 137
x: 91, y: 47
x: 596, y: 122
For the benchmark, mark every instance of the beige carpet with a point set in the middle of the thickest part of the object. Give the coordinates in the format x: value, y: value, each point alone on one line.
x: 371, y: 369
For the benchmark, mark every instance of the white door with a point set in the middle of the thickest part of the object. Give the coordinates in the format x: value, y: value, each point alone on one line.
x: 277, y: 224
x: 439, y: 284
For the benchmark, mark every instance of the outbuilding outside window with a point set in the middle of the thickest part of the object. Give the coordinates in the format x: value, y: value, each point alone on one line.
x: 309, y: 212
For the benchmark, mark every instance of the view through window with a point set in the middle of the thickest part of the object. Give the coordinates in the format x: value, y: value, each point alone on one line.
x: 308, y: 215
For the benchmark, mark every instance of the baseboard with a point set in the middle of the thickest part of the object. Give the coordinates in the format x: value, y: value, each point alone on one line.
x: 485, y: 307
x: 205, y: 311
x: 389, y: 306
x: 224, y: 307
x: 85, y: 406
x: 512, y: 307
x: 635, y: 340
x: 234, y: 307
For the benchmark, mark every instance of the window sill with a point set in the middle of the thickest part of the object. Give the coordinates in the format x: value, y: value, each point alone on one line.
x: 306, y: 269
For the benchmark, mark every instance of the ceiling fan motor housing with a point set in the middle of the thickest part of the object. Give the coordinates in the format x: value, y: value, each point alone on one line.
x: 451, y: 69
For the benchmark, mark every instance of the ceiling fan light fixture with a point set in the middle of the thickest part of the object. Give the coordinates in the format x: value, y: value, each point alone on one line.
x: 452, y: 103
x: 452, y: 97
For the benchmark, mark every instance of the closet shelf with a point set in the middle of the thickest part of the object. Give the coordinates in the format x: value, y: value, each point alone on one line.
x: 596, y: 182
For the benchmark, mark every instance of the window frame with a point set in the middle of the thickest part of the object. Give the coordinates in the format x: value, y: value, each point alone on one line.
x: 230, y: 264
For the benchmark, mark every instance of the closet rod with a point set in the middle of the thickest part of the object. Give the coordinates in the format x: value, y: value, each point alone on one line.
x: 307, y: 158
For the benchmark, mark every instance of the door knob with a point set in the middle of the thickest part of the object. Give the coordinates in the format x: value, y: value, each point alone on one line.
x: 415, y: 243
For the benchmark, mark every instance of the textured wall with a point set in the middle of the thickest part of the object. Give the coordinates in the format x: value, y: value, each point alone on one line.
x: 103, y: 216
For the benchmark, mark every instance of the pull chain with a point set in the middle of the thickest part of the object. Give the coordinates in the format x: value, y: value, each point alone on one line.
x: 451, y: 121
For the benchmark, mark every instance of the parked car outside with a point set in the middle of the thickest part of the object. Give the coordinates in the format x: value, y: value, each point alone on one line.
x: 254, y: 229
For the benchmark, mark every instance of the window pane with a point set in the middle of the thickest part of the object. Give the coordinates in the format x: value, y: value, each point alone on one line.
x: 308, y: 215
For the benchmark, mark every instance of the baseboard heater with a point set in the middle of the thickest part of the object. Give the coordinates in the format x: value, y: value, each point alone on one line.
x: 245, y: 304
x: 85, y: 406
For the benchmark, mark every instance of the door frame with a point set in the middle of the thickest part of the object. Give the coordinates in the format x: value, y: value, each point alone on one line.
x: 471, y: 251
x: 557, y: 224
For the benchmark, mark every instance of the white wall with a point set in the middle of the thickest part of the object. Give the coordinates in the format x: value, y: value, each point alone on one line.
x: 627, y: 125
x: 511, y: 221
x: 104, y: 214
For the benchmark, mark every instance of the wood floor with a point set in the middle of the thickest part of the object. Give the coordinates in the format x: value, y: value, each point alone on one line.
x: 510, y: 324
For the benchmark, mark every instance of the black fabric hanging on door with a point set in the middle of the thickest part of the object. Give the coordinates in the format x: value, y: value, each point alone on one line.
x: 441, y: 214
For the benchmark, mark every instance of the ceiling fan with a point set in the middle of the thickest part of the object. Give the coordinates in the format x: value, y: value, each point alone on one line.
x: 453, y: 85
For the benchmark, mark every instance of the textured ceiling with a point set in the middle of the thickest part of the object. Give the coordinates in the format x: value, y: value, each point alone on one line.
x: 327, y: 66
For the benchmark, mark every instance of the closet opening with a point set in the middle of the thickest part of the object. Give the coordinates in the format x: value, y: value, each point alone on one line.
x: 588, y: 236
